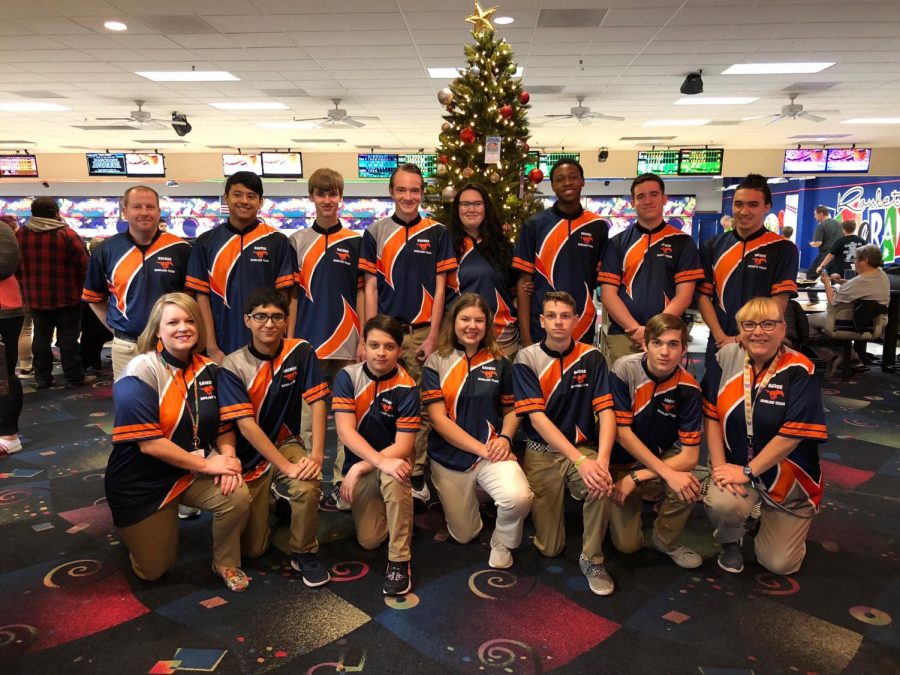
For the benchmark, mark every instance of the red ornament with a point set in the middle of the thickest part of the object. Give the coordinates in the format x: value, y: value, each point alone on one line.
x: 467, y: 136
x: 526, y: 147
x: 443, y: 159
x: 524, y: 97
x: 535, y: 175
x: 506, y: 112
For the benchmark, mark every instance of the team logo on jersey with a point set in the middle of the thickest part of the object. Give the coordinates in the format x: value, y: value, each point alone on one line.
x: 759, y: 261
x: 343, y: 255
x: 668, y: 407
x: 423, y: 246
x: 665, y: 250
x: 387, y: 408
x: 261, y: 254
x: 579, y: 378
x: 488, y: 374
x: 208, y: 389
x: 775, y: 393
x: 165, y: 263
x: 586, y: 240
x: 290, y: 377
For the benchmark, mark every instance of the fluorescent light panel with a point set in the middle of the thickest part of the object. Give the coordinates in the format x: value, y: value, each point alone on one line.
x: 503, y: 20
x: 872, y: 120
x: 188, y: 75
x: 676, y: 123
x: 115, y: 25
x: 776, y: 68
x: 453, y: 73
x: 716, y: 100
x: 249, y: 105
x: 32, y: 107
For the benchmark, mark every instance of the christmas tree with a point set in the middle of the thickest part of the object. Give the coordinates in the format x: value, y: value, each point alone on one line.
x: 484, y: 137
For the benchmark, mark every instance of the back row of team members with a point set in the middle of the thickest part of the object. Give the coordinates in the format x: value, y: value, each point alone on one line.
x: 601, y: 435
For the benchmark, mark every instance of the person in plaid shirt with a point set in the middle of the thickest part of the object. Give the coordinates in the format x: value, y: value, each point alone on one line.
x: 52, y: 272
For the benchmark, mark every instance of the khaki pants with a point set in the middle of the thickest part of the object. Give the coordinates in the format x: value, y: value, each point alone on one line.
x: 382, y: 509
x: 153, y: 542
x: 618, y: 346
x: 330, y: 369
x: 411, y: 342
x: 506, y: 484
x: 781, y: 542
x: 624, y: 522
x: 549, y: 474
x: 304, y: 496
x: 122, y: 353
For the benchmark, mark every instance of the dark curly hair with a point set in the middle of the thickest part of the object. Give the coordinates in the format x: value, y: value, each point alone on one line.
x: 494, y: 246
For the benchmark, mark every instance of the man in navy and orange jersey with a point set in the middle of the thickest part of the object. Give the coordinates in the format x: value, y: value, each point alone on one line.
x: 231, y: 260
x: 261, y: 387
x: 745, y: 262
x: 329, y: 291
x: 131, y: 270
x: 649, y: 268
x: 561, y: 389
x: 406, y: 259
x: 560, y: 249
x: 657, y: 404
x: 376, y: 412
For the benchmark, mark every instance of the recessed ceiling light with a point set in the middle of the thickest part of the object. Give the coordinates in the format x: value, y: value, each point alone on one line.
x: 115, y: 25
x: 453, y: 73
x: 249, y: 105
x: 716, y: 100
x: 287, y: 125
x: 32, y: 107
x: 776, y: 68
x: 676, y: 123
x: 188, y: 75
x: 503, y: 20
x: 872, y: 120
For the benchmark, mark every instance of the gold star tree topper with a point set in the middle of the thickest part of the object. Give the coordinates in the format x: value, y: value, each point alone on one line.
x: 481, y: 19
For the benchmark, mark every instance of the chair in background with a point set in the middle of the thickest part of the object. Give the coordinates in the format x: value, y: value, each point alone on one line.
x: 855, y: 324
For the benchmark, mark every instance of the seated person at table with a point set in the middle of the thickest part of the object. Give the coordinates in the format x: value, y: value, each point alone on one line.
x: 376, y: 412
x: 764, y: 423
x: 170, y: 447
x: 657, y: 403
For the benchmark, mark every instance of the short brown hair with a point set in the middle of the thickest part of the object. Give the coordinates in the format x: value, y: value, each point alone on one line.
x: 824, y: 210
x: 326, y: 180
x: 871, y: 254
x: 138, y: 187
x: 659, y: 324
x: 849, y: 226
x: 407, y: 168
x: 386, y: 324
x: 45, y: 207
x: 559, y: 296
x: 447, y: 340
x: 147, y: 340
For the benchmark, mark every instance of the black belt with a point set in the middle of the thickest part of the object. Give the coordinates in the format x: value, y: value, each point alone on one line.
x: 125, y: 336
x: 410, y: 327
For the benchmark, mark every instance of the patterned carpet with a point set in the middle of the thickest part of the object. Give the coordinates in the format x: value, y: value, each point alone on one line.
x: 70, y: 604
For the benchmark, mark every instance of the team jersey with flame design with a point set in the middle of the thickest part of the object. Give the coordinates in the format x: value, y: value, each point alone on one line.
x: 570, y: 387
x: 790, y: 406
x: 646, y: 266
x: 228, y: 264
x: 329, y: 280
x: 383, y: 405
x: 477, y: 275
x: 269, y: 389
x: 659, y: 411
x: 406, y: 258
x: 736, y: 270
x: 133, y: 277
x: 157, y: 397
x: 474, y: 392
x: 563, y: 253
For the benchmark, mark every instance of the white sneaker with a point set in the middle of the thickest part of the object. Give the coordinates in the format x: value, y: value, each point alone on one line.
x: 188, y: 512
x: 423, y: 494
x: 9, y: 447
x: 501, y: 557
x: 680, y: 555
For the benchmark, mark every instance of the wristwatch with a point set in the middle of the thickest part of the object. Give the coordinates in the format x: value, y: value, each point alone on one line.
x: 637, y: 481
x: 749, y: 473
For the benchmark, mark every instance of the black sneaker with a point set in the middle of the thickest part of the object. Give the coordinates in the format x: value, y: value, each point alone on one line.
x: 397, y: 578
x: 731, y: 559
x: 313, y: 571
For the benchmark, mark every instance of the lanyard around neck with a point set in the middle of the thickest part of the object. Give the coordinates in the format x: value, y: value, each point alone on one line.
x: 749, y: 399
x: 182, y: 387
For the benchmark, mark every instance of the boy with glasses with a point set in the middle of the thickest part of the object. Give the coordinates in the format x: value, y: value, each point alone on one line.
x: 261, y: 387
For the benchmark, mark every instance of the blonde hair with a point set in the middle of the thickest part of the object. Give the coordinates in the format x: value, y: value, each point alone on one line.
x: 447, y: 339
x: 757, y: 309
x: 148, y: 339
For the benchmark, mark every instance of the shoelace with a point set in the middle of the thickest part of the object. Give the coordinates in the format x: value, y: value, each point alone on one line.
x: 396, y: 573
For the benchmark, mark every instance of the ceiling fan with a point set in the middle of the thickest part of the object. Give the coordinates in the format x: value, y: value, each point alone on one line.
x: 143, y: 119
x: 795, y: 111
x: 337, y: 115
x: 584, y: 115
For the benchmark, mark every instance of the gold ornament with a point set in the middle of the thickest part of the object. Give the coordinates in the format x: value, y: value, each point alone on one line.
x: 495, y: 177
x: 481, y: 19
x: 468, y: 172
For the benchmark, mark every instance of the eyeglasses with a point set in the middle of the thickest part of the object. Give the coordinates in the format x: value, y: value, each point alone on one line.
x: 767, y: 325
x: 261, y: 318
x: 471, y: 205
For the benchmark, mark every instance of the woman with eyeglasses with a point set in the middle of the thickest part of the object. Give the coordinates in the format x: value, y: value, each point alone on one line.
x: 763, y: 422
x: 170, y: 447
x: 485, y: 261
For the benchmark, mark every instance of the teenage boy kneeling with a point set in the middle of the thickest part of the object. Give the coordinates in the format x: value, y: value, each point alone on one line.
x: 376, y: 412
x: 559, y: 386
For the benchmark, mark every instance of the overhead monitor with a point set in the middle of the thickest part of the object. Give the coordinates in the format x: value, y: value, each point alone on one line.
x: 106, y: 164
x: 804, y: 160
x: 377, y: 165
x: 848, y: 160
x: 18, y: 166
x: 533, y: 161
x: 700, y: 161
x: 660, y: 162
x: 231, y: 164
x: 151, y: 164
x: 548, y: 159
x: 427, y: 162
x: 282, y: 165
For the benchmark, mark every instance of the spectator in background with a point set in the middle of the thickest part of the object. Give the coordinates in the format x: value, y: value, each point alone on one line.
x: 840, y: 257
x: 828, y: 231
x: 727, y: 223
x: 11, y: 318
x: 93, y: 333
x: 787, y: 232
x: 52, y: 272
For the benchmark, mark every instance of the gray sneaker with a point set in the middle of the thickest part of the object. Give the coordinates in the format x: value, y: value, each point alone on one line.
x: 680, y: 555
x: 500, y: 558
x: 598, y: 578
x: 731, y: 559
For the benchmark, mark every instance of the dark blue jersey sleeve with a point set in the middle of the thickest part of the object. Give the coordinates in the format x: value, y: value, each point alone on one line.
x: 689, y: 416
x: 507, y: 395
x: 527, y: 391
x: 315, y: 387
x: 408, y: 419
x: 431, y: 385
x: 601, y: 396
x: 621, y: 400
x: 804, y: 417
x: 710, y: 388
x: 343, y: 398
x: 136, y: 411
x: 234, y: 401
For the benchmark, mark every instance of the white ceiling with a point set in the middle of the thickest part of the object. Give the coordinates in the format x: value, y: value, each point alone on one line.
x: 373, y: 54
